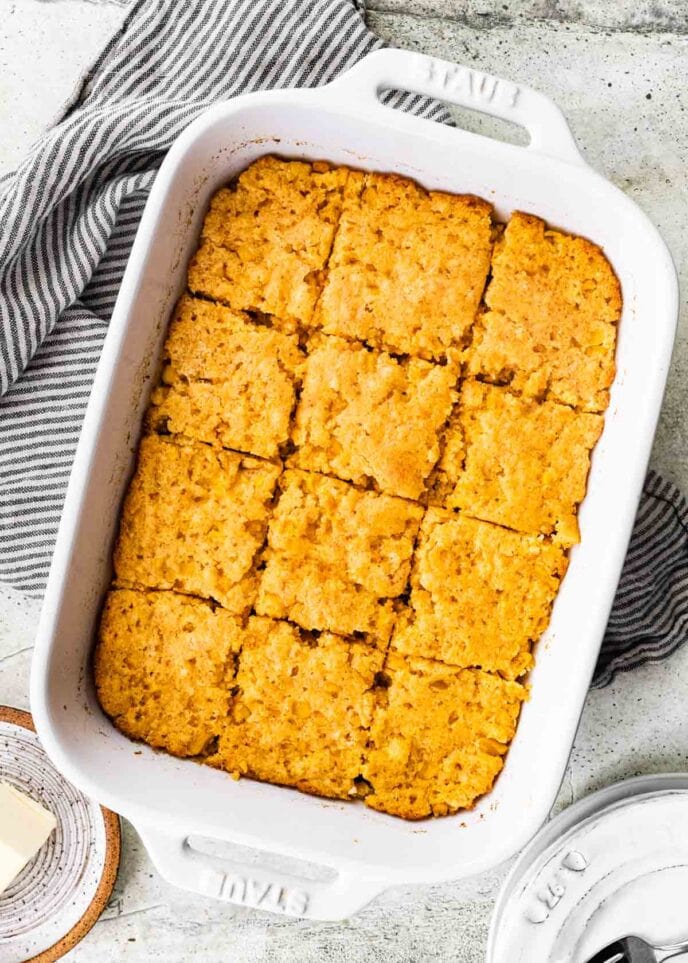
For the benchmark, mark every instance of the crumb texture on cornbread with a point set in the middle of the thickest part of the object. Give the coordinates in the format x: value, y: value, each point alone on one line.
x: 480, y: 594
x: 517, y: 462
x: 438, y: 737
x: 194, y: 519
x: 357, y: 487
x: 553, y: 306
x: 164, y: 666
x: 265, y: 241
x: 337, y: 555
x: 302, y: 709
x: 368, y: 417
x: 408, y: 266
x: 226, y: 380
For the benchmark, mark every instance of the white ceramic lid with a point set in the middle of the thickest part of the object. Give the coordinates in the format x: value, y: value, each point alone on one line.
x: 60, y: 893
x: 612, y: 865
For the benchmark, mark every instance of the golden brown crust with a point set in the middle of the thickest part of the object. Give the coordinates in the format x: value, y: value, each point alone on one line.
x: 194, y: 519
x: 408, y: 266
x: 550, y: 331
x: 302, y: 709
x: 336, y: 556
x: 480, y: 594
x: 438, y: 737
x: 368, y: 417
x: 516, y: 462
x: 266, y: 240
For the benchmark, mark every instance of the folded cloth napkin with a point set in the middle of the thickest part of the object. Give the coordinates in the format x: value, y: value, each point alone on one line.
x: 69, y: 215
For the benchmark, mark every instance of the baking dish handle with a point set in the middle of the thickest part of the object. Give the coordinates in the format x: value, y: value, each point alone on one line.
x: 393, y: 69
x: 250, y: 885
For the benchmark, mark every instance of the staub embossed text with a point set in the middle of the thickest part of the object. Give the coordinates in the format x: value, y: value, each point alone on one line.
x: 472, y: 84
x: 263, y: 894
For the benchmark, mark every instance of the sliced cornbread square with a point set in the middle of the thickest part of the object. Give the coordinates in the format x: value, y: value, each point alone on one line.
x: 227, y: 380
x: 517, y: 462
x: 266, y: 239
x: 302, y: 708
x: 336, y: 555
x: 164, y: 666
x: 554, y: 303
x: 371, y: 418
x: 408, y: 266
x: 205, y: 338
x: 438, y: 737
x: 193, y: 520
x: 480, y: 594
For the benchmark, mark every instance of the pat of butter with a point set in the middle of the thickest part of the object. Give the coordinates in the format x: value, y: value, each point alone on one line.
x: 24, y: 827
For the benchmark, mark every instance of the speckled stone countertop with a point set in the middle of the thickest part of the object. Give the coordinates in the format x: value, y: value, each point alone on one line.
x: 618, y: 72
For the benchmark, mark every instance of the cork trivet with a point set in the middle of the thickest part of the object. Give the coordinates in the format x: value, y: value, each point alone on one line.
x: 58, y: 897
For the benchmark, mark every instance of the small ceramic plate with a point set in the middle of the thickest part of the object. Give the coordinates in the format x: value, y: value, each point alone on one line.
x: 60, y: 894
x: 614, y: 864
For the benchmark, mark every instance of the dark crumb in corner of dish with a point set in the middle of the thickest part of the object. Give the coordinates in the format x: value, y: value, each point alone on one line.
x: 210, y: 748
x: 362, y: 788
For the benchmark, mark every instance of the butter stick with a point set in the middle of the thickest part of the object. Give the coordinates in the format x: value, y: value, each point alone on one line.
x: 25, y: 825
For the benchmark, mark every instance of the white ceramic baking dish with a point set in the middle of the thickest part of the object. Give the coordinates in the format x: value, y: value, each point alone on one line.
x: 169, y: 800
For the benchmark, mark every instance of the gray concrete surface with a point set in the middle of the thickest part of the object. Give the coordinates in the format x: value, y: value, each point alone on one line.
x: 618, y: 70
x: 46, y: 48
x: 636, y: 16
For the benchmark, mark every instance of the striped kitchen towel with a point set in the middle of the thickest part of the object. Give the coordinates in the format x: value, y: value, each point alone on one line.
x: 649, y: 619
x: 69, y: 215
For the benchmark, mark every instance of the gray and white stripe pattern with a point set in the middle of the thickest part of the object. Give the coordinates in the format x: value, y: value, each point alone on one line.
x: 649, y: 619
x: 69, y: 215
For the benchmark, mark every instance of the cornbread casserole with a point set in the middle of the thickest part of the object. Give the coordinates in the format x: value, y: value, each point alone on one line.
x: 357, y: 486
